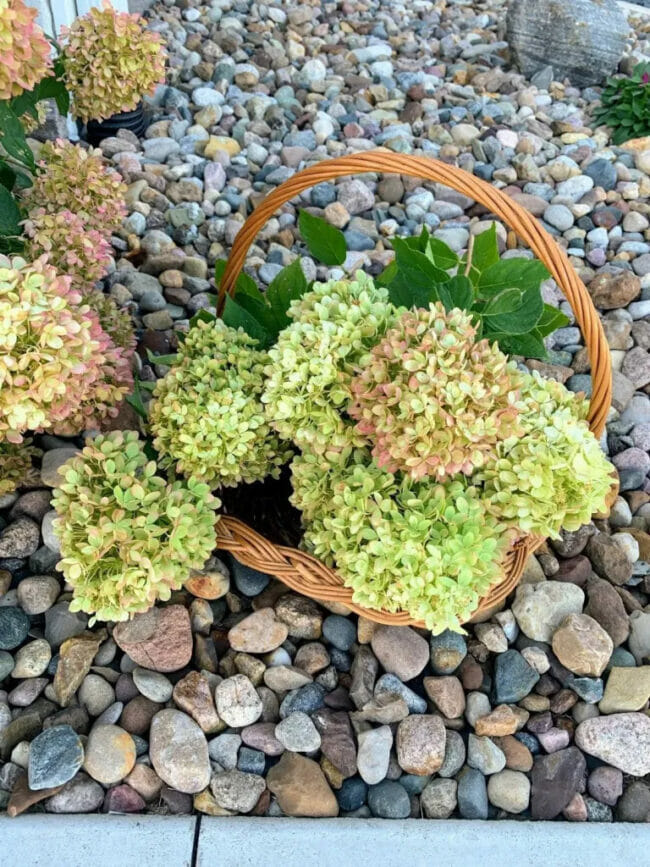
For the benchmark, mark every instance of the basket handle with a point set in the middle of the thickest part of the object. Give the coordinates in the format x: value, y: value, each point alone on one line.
x: 518, y: 218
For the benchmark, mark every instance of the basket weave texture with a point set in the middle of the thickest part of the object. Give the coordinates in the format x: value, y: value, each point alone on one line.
x: 299, y: 570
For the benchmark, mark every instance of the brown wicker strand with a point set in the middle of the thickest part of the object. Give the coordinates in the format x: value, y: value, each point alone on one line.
x: 303, y: 572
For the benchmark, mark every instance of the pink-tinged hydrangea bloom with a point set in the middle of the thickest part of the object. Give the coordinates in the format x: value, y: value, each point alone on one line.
x: 432, y: 400
x: 54, y: 356
x: 73, y: 178
x: 24, y: 50
x: 111, y: 62
x: 74, y: 251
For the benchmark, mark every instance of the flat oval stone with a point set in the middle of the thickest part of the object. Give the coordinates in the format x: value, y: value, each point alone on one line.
x: 160, y: 639
x: 400, y: 650
x: 152, y: 684
x: 14, y: 627
x: 110, y: 754
x: 179, y: 751
x: 260, y: 632
x: 620, y: 739
x: 55, y: 756
x: 238, y: 704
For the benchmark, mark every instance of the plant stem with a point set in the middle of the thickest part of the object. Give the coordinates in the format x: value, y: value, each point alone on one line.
x: 470, y: 251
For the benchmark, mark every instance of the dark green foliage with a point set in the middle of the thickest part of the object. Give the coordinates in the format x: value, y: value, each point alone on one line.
x: 625, y: 105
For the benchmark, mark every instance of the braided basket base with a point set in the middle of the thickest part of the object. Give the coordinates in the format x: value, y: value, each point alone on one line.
x: 310, y: 577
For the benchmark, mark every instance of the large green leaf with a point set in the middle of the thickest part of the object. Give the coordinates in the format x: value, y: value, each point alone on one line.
x: 456, y: 292
x: 486, y: 249
x: 512, y: 273
x: 442, y: 255
x: 12, y: 137
x: 512, y: 317
x: 416, y: 275
x: 287, y: 286
x: 326, y: 243
x: 238, y: 317
x: 528, y: 345
x: 9, y: 214
x: 260, y: 311
x: 550, y: 320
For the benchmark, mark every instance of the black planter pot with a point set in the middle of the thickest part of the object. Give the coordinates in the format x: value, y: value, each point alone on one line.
x: 97, y: 130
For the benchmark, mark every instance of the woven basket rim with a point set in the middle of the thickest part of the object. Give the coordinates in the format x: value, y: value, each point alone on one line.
x: 303, y: 572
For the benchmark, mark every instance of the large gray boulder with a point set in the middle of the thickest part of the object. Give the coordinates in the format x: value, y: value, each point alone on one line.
x: 583, y: 40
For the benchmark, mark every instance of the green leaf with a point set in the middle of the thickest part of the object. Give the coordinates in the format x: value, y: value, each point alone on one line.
x: 416, y: 276
x: 287, y: 286
x: 54, y: 88
x: 486, y: 249
x: 135, y: 399
x: 244, y: 283
x: 12, y: 137
x: 512, y: 273
x: 387, y: 275
x: 551, y: 319
x: 162, y: 359
x: 200, y: 316
x: 457, y: 292
x: 519, y: 319
x: 443, y: 256
x: 505, y: 302
x: 7, y: 175
x: 325, y: 242
x: 9, y: 214
x: 260, y: 311
x: 528, y: 345
x: 238, y: 317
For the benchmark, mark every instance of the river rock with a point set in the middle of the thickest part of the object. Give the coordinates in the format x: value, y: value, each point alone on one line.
x: 110, y: 754
x: 400, y: 650
x: 509, y: 790
x: 237, y: 791
x: 627, y: 689
x: 55, y: 756
x: 260, y: 632
x: 420, y: 744
x: 582, y: 645
x: 555, y: 780
x: 159, y: 639
x: 179, y: 751
x: 301, y: 787
x: 621, y: 740
x: 76, y: 655
x: 540, y: 608
x: 238, y: 704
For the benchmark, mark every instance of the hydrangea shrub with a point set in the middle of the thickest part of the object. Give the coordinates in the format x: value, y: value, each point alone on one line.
x: 80, y: 253
x: 432, y: 399
x: 207, y: 416
x: 24, y: 50
x: 128, y: 537
x: 312, y: 366
x: 73, y: 178
x: 111, y: 61
x: 57, y: 369
x: 16, y: 467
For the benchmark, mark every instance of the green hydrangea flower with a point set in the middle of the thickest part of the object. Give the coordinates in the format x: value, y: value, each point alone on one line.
x: 128, y: 537
x: 427, y: 548
x: 555, y: 476
x: 207, y: 417
x: 311, y: 367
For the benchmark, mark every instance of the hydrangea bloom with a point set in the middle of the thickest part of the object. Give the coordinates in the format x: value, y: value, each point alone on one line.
x: 554, y: 476
x: 128, y: 538
x: 427, y: 548
x: 24, y: 50
x: 207, y: 417
x: 16, y: 467
x: 53, y: 353
x: 111, y: 61
x: 73, y: 178
x: 75, y: 251
x: 312, y: 365
x: 431, y: 399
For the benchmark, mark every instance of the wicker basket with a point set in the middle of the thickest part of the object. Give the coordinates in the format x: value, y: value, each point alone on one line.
x: 299, y: 570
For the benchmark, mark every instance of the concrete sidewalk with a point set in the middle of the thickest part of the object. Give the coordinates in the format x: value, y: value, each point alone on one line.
x: 175, y: 841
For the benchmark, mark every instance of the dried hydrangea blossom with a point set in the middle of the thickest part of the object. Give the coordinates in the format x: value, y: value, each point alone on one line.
x: 24, y: 50
x: 77, y: 179
x: 207, y: 417
x: 53, y: 352
x: 431, y: 399
x: 111, y: 61
x: 75, y: 251
x: 128, y: 538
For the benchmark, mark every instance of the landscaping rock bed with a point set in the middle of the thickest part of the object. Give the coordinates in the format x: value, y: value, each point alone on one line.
x: 255, y: 700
